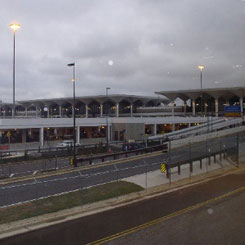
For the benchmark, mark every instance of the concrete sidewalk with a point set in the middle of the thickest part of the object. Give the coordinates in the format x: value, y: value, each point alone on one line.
x: 156, y: 178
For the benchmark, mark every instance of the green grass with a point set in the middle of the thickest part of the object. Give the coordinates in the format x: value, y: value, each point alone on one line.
x: 66, y: 201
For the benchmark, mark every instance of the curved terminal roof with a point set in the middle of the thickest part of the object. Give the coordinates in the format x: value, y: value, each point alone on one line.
x: 216, y: 93
x: 100, y: 99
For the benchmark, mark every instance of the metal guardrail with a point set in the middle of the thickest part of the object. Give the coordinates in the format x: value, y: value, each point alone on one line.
x: 125, y: 154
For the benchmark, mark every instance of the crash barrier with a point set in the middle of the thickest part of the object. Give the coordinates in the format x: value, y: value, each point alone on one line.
x: 119, y: 155
x: 170, y: 164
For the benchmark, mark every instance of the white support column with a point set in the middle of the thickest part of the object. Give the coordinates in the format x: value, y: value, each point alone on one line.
x: 185, y: 108
x: 173, y: 109
x: 117, y: 109
x: 60, y: 111
x: 47, y: 112
x: 41, y: 136
x: 78, y: 135
x: 37, y: 110
x: 26, y: 110
x: 173, y: 127
x: 73, y: 110
x: 205, y: 108
x: 241, y: 105
x: 154, y: 129
x: 101, y: 110
x: 86, y: 107
x: 216, y: 107
x: 131, y: 110
x: 193, y: 107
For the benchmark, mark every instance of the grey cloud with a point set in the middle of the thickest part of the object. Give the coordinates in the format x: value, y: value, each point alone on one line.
x: 154, y: 45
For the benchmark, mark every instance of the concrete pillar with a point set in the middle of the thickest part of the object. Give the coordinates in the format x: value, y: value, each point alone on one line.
x: 184, y: 108
x: 37, y: 111
x: 60, y: 111
x: 154, y: 129
x: 78, y: 135
x: 131, y: 110
x: 189, y: 125
x: 216, y: 107
x: 241, y: 105
x: 173, y: 127
x: 117, y: 109
x: 173, y: 109
x: 205, y: 108
x: 48, y: 112
x: 86, y: 108
x: 73, y: 110
x: 23, y: 136
x: 41, y: 136
x: 193, y: 107
x: 101, y: 110
x: 26, y: 110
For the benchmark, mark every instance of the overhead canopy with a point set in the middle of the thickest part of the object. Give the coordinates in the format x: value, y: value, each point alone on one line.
x: 216, y: 93
x: 100, y: 99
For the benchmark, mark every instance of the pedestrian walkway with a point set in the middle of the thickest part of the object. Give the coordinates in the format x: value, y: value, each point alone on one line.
x: 156, y: 178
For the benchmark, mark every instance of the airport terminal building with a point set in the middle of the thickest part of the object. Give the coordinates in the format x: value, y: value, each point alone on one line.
x: 118, y: 117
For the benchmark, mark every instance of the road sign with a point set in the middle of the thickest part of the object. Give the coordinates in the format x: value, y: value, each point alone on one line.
x: 71, y: 161
x: 163, y: 168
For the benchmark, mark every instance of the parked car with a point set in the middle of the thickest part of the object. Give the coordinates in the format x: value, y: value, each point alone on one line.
x: 130, y: 146
x: 65, y: 143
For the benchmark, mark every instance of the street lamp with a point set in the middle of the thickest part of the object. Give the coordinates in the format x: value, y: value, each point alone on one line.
x: 14, y: 27
x: 201, y: 67
x: 74, y: 115
x: 107, y: 129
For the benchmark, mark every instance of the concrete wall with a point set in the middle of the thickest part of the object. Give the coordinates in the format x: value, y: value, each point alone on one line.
x: 199, y: 138
x: 134, y: 131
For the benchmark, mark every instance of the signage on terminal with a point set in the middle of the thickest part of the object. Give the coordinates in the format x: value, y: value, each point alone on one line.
x: 232, y: 111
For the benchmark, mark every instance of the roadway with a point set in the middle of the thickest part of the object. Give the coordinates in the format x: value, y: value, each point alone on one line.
x: 35, y: 187
x: 210, y: 212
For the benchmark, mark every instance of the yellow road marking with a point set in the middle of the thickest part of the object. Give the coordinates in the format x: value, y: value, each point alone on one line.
x: 164, y: 218
x: 118, y: 161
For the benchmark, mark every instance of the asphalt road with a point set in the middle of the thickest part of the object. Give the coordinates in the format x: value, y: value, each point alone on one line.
x: 29, y: 167
x: 35, y: 188
x: 220, y: 220
x: 217, y: 223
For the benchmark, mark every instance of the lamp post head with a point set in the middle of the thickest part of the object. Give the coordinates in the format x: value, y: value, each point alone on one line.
x: 71, y: 64
x: 14, y: 26
x: 201, y: 67
x: 108, y: 88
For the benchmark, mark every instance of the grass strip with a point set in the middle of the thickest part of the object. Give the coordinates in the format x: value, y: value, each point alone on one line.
x: 66, y: 201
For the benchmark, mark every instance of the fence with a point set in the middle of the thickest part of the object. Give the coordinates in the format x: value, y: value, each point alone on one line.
x: 180, y: 163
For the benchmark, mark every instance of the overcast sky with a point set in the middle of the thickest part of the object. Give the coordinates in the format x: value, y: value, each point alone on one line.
x: 132, y: 46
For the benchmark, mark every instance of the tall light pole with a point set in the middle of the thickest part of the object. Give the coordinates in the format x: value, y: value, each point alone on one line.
x: 107, y: 129
x: 74, y: 113
x: 201, y: 67
x: 14, y: 27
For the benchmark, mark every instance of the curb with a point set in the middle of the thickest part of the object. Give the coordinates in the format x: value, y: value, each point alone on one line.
x: 38, y: 222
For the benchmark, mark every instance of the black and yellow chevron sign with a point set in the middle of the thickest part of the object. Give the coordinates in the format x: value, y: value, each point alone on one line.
x: 163, y: 168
